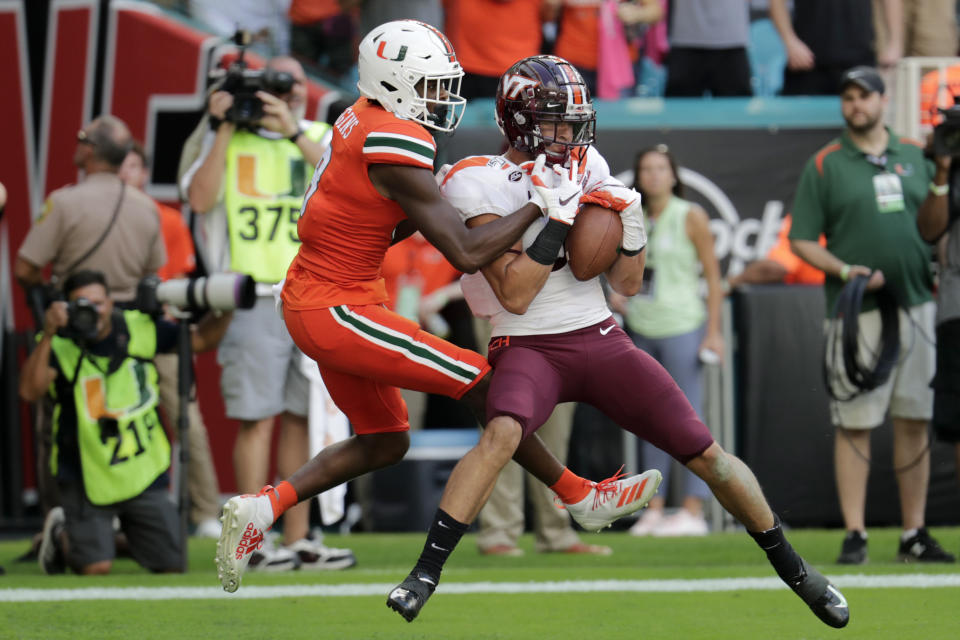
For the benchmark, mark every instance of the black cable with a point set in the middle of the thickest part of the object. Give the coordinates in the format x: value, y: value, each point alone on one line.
x: 863, y: 377
x: 860, y: 376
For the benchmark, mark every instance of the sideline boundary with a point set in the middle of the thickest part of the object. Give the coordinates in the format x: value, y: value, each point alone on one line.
x: 914, y: 581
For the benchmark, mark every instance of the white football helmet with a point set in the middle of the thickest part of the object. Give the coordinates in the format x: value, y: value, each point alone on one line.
x: 395, y: 57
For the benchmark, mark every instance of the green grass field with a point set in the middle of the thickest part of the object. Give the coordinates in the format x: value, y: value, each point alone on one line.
x: 201, y: 610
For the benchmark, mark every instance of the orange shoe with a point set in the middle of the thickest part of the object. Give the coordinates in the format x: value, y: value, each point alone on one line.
x: 611, y: 499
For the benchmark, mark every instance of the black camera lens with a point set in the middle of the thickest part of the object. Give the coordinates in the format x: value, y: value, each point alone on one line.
x: 277, y: 82
x: 82, y: 320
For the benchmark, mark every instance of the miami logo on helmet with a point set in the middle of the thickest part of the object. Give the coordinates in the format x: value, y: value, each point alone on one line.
x: 400, y: 56
x: 514, y: 84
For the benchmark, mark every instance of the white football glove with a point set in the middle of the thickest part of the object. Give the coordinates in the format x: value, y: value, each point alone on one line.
x: 556, y: 190
x: 627, y: 203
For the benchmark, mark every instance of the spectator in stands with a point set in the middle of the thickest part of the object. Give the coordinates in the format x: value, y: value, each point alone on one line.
x: 201, y: 476
x: 376, y: 12
x: 825, y: 38
x: 250, y: 180
x: 578, y: 40
x: 490, y: 35
x: 863, y: 192
x: 95, y: 224
x: 939, y: 223
x: 323, y: 35
x: 267, y: 22
x: 708, y: 48
x: 669, y: 320
x: 781, y: 264
x: 928, y: 27
x: 111, y: 455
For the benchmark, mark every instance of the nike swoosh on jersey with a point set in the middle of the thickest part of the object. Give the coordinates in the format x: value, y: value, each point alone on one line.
x: 604, y: 332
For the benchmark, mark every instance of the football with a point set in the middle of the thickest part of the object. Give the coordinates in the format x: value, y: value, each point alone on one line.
x: 593, y: 241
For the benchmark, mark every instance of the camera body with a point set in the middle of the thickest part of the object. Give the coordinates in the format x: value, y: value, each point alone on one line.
x: 219, y: 291
x: 243, y: 83
x: 946, y: 135
x: 82, y: 319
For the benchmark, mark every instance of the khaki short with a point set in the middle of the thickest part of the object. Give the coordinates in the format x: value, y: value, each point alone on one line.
x: 907, y: 393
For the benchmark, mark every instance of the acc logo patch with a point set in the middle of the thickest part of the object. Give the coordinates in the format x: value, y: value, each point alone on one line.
x: 515, y: 176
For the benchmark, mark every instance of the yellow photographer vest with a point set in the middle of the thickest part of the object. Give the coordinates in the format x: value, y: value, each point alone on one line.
x: 123, y: 447
x: 263, y: 192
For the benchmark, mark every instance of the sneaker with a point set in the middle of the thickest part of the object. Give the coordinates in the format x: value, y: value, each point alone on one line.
x: 502, y: 550
x: 611, y: 499
x: 245, y: 520
x: 208, y: 528
x: 409, y: 596
x: 50, y: 557
x: 647, y: 522
x: 273, y: 559
x: 921, y: 547
x: 313, y: 555
x: 681, y: 523
x: 854, y: 549
x: 824, y: 599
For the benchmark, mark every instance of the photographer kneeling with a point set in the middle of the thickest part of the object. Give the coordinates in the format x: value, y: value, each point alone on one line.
x: 110, y: 455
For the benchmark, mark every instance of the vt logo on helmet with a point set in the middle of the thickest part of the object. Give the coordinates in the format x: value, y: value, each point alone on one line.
x: 543, y: 106
x: 411, y: 70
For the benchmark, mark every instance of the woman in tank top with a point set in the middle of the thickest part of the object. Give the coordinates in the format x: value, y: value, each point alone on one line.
x: 670, y: 320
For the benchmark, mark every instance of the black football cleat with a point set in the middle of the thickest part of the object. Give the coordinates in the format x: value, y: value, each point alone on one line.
x: 409, y: 596
x: 824, y: 599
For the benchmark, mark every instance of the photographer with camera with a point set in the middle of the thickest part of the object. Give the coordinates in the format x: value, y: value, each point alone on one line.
x: 938, y: 224
x: 98, y: 224
x: 248, y: 185
x: 110, y: 454
x: 864, y: 192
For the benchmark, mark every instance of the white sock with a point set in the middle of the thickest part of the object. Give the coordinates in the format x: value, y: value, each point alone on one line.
x: 907, y: 534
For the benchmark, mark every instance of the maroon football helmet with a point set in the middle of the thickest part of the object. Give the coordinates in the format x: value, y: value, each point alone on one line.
x: 540, y: 89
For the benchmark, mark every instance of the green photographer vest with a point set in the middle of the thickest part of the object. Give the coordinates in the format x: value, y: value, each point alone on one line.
x: 263, y: 192
x: 123, y: 447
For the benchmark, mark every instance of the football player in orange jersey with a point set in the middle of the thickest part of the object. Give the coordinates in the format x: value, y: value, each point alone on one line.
x: 374, y: 180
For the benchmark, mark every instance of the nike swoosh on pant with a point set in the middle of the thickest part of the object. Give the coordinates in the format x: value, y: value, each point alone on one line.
x: 604, y: 332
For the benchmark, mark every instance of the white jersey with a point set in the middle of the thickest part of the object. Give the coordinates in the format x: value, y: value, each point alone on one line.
x: 492, y: 184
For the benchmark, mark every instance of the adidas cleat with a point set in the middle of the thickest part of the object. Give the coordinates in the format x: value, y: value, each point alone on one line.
x: 245, y: 520
x: 824, y: 599
x: 613, y: 498
x: 409, y: 596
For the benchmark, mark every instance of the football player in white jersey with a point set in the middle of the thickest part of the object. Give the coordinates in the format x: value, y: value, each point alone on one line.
x: 554, y: 338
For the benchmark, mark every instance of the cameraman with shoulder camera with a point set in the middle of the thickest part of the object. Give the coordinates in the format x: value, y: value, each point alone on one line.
x: 248, y: 183
x: 864, y: 192
x: 938, y: 224
x: 110, y: 455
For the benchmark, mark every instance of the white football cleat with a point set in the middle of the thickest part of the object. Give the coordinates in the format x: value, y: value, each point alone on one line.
x: 611, y: 499
x: 245, y: 520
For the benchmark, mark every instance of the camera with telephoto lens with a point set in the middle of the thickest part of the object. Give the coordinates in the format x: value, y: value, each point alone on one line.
x: 219, y: 292
x: 82, y: 317
x: 946, y: 135
x: 243, y: 83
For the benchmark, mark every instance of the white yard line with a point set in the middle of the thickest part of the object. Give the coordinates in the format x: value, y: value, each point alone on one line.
x: 916, y: 581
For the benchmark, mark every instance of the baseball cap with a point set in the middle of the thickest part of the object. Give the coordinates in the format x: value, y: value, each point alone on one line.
x: 867, y: 78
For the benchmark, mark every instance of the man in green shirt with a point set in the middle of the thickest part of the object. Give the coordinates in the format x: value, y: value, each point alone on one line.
x: 863, y: 191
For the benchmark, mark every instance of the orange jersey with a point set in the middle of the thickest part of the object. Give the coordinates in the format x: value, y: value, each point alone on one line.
x: 178, y: 242
x: 416, y: 260
x: 798, y: 271
x: 490, y: 35
x: 578, y: 40
x: 346, y: 226
x: 938, y: 90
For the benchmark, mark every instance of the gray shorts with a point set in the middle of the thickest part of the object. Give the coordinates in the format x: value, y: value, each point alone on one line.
x: 261, y: 366
x: 149, y: 521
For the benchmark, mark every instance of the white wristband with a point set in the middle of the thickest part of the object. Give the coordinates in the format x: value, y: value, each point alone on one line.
x: 939, y: 189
